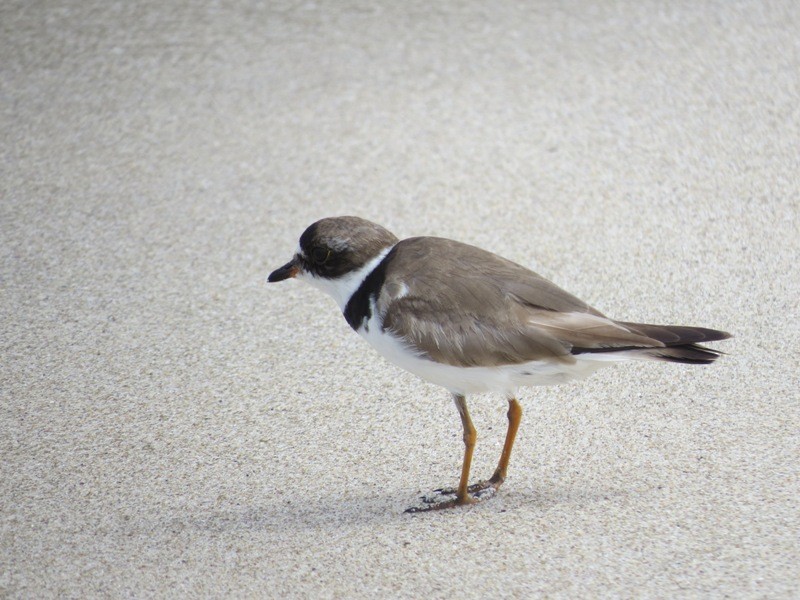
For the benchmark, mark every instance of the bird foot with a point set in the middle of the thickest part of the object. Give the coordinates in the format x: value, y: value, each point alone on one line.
x: 448, y: 497
x: 487, y: 486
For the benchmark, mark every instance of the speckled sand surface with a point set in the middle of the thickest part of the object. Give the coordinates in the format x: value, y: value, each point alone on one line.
x: 172, y: 426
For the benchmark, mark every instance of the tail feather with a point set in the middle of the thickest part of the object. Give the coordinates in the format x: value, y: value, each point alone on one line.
x: 680, y: 344
x: 677, y: 335
x: 690, y: 354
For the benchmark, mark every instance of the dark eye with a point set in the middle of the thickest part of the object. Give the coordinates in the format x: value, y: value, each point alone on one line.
x: 320, y: 255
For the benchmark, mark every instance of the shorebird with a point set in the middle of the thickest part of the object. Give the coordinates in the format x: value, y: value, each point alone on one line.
x: 472, y: 321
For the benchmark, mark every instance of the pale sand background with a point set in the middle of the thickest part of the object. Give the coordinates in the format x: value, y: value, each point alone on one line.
x: 173, y: 427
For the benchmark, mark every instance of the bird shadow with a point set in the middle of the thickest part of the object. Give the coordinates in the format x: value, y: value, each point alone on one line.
x: 331, y: 511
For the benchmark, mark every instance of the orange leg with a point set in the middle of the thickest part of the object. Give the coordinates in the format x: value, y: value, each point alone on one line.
x: 496, y: 480
x: 514, y: 418
x: 470, y: 437
x: 462, y: 493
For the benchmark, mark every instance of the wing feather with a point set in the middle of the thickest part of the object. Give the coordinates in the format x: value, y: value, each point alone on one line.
x: 460, y: 305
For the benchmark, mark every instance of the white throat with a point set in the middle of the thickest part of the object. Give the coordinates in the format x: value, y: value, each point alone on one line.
x: 342, y: 288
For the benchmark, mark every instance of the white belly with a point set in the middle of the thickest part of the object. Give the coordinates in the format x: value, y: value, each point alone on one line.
x: 471, y: 380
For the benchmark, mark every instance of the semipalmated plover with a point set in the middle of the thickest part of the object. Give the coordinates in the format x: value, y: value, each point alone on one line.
x: 471, y: 321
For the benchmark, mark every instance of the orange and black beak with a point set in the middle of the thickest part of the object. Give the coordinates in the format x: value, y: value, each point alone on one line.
x: 288, y: 270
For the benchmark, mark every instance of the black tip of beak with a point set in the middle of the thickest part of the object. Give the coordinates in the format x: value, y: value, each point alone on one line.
x: 288, y: 270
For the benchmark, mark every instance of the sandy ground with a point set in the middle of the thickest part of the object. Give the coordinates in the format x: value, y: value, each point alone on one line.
x: 171, y: 426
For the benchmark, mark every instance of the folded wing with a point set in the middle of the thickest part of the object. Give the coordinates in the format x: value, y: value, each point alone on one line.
x: 501, y: 313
